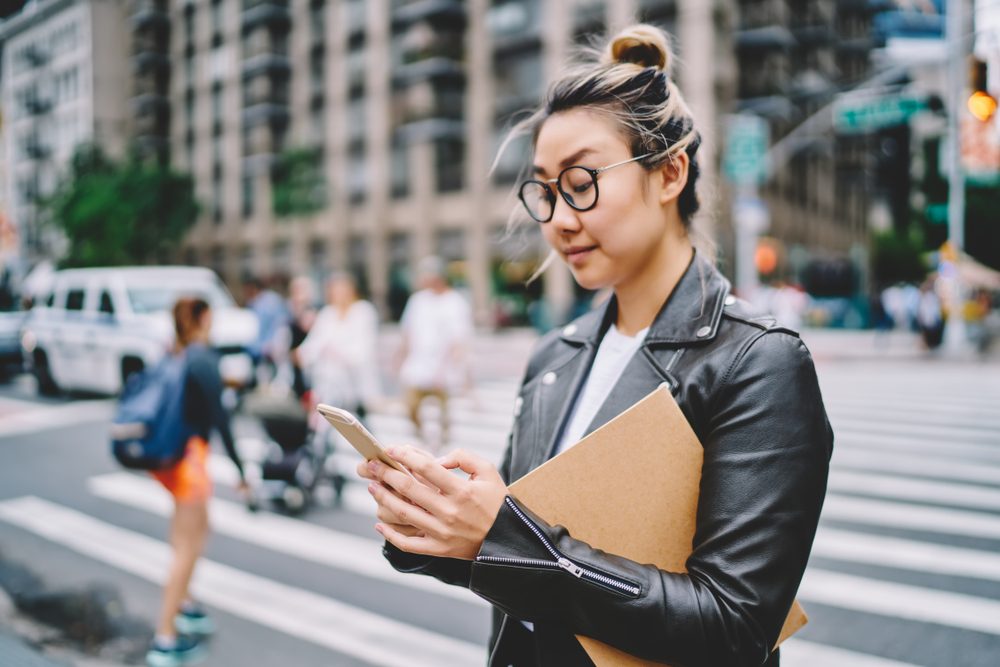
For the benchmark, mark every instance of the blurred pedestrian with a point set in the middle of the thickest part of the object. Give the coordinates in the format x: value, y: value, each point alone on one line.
x: 748, y: 387
x: 302, y: 315
x: 272, y: 318
x: 437, y: 336
x: 930, y: 315
x: 340, y: 354
x: 183, y: 621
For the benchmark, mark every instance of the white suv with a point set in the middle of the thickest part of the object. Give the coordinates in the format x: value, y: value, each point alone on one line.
x: 98, y: 326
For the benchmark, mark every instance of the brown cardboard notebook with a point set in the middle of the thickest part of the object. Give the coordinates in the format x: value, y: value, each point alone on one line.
x: 629, y: 488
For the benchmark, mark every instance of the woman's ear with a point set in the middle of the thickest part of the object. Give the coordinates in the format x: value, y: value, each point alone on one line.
x: 674, y: 176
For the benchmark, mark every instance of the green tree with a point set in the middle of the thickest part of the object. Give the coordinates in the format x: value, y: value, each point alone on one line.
x: 898, y: 257
x: 112, y: 212
x: 297, y: 183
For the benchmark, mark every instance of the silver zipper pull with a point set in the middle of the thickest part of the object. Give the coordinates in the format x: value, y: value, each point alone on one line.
x: 571, y: 567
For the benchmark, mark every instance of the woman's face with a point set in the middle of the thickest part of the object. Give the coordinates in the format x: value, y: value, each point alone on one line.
x: 618, y: 238
x: 341, y: 293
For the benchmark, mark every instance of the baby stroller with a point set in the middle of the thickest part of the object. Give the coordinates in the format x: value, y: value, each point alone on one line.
x: 296, y: 460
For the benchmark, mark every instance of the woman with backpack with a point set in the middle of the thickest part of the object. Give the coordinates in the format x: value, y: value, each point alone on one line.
x: 182, y: 621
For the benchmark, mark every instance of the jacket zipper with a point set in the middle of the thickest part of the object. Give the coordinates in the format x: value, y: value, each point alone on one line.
x: 561, y: 562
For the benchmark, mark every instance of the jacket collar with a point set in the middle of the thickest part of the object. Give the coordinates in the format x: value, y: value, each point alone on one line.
x: 691, y: 313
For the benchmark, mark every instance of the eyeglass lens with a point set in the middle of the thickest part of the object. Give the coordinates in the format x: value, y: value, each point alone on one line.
x: 537, y: 199
x: 576, y: 185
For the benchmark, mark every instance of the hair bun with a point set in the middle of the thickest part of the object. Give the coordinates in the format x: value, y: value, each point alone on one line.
x: 643, y: 45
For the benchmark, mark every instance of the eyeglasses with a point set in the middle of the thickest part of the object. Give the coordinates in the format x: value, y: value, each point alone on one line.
x: 577, y: 185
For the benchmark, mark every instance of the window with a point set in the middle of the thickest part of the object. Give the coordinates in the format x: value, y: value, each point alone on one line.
x: 189, y: 111
x: 219, y: 64
x: 216, y: 16
x: 317, y: 20
x: 247, y: 195
x: 400, y: 169
x: 317, y: 258
x: 518, y: 77
x: 74, y: 299
x: 107, y: 306
x: 217, y: 193
x: 189, y: 67
x: 357, y: 175
x: 356, y: 120
x: 247, y: 265
x: 281, y: 258
x: 512, y: 17
x: 449, y: 164
x: 217, y: 107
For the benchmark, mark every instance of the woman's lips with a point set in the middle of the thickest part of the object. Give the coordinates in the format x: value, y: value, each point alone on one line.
x: 577, y: 255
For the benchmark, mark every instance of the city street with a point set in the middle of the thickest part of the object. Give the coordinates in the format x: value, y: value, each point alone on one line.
x: 905, y: 569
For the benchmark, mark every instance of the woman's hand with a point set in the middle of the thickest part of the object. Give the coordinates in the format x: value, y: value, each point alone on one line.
x: 435, y: 512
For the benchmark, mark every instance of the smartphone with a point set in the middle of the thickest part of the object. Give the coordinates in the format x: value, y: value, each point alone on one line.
x: 360, y: 438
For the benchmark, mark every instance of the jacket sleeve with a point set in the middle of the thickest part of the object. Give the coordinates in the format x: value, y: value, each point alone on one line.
x: 767, y: 449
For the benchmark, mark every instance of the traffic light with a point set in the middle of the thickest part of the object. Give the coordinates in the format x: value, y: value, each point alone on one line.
x: 981, y: 104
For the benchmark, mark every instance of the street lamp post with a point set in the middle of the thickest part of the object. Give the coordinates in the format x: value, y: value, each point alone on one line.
x: 955, y: 337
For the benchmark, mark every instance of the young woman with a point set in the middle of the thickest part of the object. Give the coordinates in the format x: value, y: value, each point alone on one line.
x: 191, y: 487
x: 615, y: 167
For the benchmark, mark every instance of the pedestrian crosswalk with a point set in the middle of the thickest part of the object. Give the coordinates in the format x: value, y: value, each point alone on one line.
x: 910, y: 534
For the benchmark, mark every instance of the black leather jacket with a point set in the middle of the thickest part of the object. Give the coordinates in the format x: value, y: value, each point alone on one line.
x: 750, y: 392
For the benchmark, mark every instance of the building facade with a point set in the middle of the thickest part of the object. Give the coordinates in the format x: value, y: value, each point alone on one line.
x: 63, y: 84
x: 359, y: 135
x: 795, y: 58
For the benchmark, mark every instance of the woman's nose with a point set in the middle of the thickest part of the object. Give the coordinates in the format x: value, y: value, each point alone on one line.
x: 565, y: 218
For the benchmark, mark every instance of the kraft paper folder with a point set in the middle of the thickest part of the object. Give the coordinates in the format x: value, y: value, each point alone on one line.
x: 629, y: 488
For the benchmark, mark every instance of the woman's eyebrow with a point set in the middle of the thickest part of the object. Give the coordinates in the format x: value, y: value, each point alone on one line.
x: 571, y: 160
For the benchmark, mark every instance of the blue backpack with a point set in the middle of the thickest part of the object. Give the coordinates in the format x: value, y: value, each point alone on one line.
x: 149, y: 430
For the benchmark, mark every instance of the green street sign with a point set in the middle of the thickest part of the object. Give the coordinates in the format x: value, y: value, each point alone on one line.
x: 857, y: 115
x: 747, y: 140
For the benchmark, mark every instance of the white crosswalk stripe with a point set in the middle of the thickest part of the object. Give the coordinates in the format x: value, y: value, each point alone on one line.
x: 913, y: 504
x: 322, y: 620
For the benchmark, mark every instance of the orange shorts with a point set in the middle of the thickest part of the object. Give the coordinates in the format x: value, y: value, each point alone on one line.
x: 188, y: 481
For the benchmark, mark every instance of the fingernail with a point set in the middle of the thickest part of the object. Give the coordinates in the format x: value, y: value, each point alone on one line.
x: 379, y: 529
x: 373, y: 466
x: 393, y: 451
x: 371, y: 489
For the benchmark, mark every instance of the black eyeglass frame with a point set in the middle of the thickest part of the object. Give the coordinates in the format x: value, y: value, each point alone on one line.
x: 594, y: 173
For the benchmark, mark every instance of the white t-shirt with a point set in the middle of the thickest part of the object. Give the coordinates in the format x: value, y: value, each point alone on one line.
x: 434, y: 324
x: 613, y: 355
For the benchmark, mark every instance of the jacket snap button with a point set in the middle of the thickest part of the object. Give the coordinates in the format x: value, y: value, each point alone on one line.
x: 730, y: 300
x: 518, y: 404
x: 704, y: 331
x: 569, y: 330
x: 549, y: 378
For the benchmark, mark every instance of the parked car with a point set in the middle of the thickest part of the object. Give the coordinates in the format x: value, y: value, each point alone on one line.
x: 11, y: 323
x: 98, y: 326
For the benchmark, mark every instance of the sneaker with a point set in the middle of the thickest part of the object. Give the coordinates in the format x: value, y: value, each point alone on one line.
x: 185, y: 651
x: 194, y: 621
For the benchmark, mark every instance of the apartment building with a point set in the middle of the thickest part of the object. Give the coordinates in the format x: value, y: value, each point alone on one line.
x: 795, y: 56
x: 63, y: 83
x: 359, y: 134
